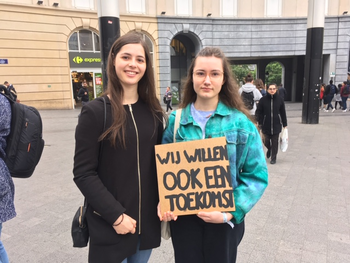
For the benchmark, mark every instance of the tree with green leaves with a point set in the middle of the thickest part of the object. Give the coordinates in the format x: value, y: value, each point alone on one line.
x: 275, y: 73
x: 241, y: 71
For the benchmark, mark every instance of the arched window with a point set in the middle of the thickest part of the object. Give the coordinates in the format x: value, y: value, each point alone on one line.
x: 84, y: 41
x: 150, y: 47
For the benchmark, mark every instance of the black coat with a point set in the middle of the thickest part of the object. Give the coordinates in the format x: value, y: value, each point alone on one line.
x: 111, y: 184
x: 271, y: 114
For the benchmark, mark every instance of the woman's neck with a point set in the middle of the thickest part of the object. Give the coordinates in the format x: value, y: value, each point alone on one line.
x: 206, y: 105
x: 131, y: 96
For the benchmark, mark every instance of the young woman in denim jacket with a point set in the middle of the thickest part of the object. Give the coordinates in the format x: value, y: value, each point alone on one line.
x: 7, y: 188
x: 212, y: 108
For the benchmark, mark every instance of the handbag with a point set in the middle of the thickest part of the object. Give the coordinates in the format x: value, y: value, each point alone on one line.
x: 165, y: 225
x: 284, y: 140
x: 80, y: 230
x: 165, y: 230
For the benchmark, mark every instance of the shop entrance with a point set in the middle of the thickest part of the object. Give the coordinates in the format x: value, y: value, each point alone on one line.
x: 94, y: 81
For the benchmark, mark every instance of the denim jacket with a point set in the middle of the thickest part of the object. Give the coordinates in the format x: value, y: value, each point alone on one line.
x: 7, y: 189
x: 244, y: 146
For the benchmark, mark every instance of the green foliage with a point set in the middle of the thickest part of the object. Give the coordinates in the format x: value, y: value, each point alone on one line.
x: 275, y: 73
x: 241, y: 71
x: 175, y: 98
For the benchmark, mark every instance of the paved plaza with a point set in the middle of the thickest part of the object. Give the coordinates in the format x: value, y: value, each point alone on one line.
x: 304, y: 215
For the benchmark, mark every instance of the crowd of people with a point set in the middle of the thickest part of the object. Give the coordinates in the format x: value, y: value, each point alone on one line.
x: 339, y: 94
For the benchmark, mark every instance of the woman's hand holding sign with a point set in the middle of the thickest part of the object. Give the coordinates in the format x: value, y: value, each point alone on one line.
x: 167, y: 216
x: 215, y: 217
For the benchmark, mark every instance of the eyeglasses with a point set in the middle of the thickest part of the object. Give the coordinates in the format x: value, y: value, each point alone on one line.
x: 213, y: 75
x: 272, y: 88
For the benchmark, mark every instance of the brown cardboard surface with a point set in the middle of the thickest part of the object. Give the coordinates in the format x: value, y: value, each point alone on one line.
x: 194, y: 176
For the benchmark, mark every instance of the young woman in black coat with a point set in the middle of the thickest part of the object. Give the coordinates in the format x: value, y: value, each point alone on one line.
x: 120, y: 182
x: 271, y: 116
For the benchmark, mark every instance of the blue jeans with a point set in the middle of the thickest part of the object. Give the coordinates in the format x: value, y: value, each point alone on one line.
x: 141, y: 256
x: 3, y: 254
x: 344, y: 99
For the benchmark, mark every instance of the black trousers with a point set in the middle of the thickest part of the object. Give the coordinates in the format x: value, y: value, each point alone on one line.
x: 168, y: 106
x: 196, y: 241
x: 271, y: 143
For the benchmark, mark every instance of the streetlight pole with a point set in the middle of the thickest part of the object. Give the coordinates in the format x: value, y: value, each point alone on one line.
x: 109, y: 26
x: 313, y: 61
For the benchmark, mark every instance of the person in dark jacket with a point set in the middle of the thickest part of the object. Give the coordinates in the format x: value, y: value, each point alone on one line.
x: 271, y: 116
x: 7, y: 188
x: 120, y: 182
x: 282, y: 92
x: 329, y: 92
x: 83, y: 93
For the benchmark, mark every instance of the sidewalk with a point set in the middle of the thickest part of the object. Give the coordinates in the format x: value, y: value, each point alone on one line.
x: 304, y: 215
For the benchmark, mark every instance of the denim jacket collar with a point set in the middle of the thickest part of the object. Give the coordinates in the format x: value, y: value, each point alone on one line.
x: 221, y: 110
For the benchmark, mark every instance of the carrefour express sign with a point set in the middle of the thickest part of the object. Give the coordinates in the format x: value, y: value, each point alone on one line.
x: 84, y: 60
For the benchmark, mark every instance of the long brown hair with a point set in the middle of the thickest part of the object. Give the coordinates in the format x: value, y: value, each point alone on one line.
x: 229, y: 94
x: 259, y: 84
x: 146, y: 89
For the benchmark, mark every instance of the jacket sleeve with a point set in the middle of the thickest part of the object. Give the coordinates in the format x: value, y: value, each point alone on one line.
x: 283, y: 114
x: 252, y: 177
x: 168, y: 134
x: 80, y: 92
x: 86, y: 161
x: 259, y: 113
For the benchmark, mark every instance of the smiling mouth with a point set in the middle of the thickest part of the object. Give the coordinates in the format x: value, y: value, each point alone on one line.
x: 131, y: 72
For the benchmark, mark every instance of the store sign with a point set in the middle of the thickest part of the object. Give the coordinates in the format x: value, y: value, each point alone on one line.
x: 84, y: 60
x: 4, y: 61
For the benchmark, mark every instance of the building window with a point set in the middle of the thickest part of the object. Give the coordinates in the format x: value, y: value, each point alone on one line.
x: 273, y: 8
x: 326, y: 7
x: 228, y: 8
x: 149, y: 43
x: 84, y: 41
x: 135, y: 6
x: 83, y: 4
x: 183, y: 7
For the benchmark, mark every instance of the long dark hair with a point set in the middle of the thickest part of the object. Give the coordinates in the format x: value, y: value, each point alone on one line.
x: 146, y: 90
x: 229, y: 94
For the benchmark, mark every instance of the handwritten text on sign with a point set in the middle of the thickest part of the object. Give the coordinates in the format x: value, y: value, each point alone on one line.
x: 194, y: 176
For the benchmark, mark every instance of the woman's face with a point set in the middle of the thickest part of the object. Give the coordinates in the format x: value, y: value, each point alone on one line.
x: 208, y: 78
x: 130, y: 65
x: 272, y: 89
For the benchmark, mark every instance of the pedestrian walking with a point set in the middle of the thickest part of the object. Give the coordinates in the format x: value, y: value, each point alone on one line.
x: 322, y: 104
x: 259, y: 84
x: 271, y: 116
x: 344, y: 93
x: 330, y: 91
x: 282, y: 91
x: 115, y: 168
x: 168, y: 96
x: 338, y: 99
x: 7, y: 188
x: 250, y: 94
x: 83, y: 93
x: 212, y: 107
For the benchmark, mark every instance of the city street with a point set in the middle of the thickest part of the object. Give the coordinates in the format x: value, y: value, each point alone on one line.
x: 304, y: 215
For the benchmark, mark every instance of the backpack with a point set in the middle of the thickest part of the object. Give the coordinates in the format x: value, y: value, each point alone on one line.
x: 24, y: 143
x: 333, y: 90
x: 248, y: 99
x: 346, y: 90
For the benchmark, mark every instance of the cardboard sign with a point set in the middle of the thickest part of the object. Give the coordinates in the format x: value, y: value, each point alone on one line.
x: 194, y: 176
